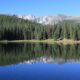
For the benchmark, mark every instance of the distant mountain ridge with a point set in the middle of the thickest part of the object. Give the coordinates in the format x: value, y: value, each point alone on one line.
x: 49, y: 19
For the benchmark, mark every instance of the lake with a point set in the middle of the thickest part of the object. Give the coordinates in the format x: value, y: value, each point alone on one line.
x: 34, y: 61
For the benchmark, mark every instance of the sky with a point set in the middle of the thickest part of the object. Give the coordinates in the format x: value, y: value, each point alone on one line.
x: 40, y: 7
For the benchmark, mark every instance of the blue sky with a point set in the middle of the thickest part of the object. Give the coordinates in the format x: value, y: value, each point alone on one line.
x: 40, y: 7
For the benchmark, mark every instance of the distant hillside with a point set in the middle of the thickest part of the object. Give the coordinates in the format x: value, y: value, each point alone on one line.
x: 14, y: 28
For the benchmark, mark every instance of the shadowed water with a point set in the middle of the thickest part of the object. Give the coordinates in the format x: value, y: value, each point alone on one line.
x: 39, y: 62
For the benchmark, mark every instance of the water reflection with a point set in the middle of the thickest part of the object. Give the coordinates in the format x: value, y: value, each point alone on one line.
x: 30, y: 53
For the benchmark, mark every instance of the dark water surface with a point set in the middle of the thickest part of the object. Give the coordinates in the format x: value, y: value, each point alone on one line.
x: 39, y: 62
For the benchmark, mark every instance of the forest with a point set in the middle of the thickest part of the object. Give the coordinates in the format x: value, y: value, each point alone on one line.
x: 13, y: 28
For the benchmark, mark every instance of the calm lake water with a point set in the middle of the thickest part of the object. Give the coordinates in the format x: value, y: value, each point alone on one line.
x: 39, y: 62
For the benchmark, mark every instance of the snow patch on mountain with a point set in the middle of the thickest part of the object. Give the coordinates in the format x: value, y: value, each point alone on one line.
x: 48, y: 19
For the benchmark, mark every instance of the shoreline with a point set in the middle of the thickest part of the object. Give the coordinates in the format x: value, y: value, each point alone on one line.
x: 48, y: 41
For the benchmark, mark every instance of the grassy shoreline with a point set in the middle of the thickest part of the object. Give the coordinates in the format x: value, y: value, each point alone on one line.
x: 49, y: 41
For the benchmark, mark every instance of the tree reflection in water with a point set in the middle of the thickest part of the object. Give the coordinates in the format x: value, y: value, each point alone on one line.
x: 30, y: 53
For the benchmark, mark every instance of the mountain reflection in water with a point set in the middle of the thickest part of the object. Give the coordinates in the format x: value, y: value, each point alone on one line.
x: 29, y: 53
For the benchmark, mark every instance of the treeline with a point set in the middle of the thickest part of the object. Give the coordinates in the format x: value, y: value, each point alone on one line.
x: 13, y: 28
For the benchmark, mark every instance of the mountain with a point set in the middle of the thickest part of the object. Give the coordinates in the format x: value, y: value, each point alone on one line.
x: 49, y: 19
x: 17, y: 28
